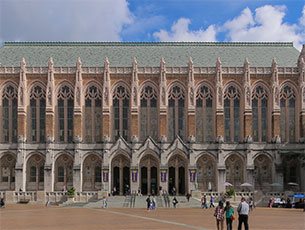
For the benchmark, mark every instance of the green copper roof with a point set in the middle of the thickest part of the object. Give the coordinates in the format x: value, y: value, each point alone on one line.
x: 121, y: 54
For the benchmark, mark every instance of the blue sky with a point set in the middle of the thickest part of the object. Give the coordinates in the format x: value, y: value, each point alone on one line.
x: 154, y: 20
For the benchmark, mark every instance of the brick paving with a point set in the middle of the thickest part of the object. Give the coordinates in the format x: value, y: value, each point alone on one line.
x: 33, y: 217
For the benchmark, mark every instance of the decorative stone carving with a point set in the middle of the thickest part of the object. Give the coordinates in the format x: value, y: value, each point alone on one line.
x: 77, y: 139
x: 134, y: 139
x: 220, y: 139
x: 163, y: 84
x: 21, y: 139
x: 106, y: 83
x: 163, y: 139
x: 219, y: 84
x: 275, y: 85
x: 191, y: 82
x: 106, y: 139
x: 248, y: 139
x: 192, y: 139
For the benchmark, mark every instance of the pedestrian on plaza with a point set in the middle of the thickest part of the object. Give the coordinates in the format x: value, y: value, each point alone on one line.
x: 104, y: 202
x: 204, y: 202
x: 251, y: 203
x: 154, y: 202
x: 188, y: 196
x: 175, y: 202
x: 148, y: 202
x: 212, y: 201
x: 2, y: 203
x: 229, y: 210
x: 219, y: 214
x: 243, y: 212
x: 174, y: 191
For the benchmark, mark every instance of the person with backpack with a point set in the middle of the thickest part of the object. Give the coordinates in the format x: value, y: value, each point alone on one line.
x: 229, y: 210
x: 175, y: 202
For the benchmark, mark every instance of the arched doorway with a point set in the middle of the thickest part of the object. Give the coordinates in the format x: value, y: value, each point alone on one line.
x: 7, y: 172
x: 121, y: 174
x: 262, y: 172
x: 206, y: 175
x: 235, y: 170
x: 63, y: 172
x: 92, y: 173
x: 149, y: 171
x: 177, y: 175
x: 35, y: 173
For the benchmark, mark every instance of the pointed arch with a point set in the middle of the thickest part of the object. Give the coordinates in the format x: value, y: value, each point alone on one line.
x: 63, y: 171
x: 35, y: 171
x: 206, y: 172
x: 289, y: 113
x: 205, y: 107
x: 8, y: 113
x: 232, y: 112
x: 64, y: 112
x: 121, y: 111
x: 260, y: 110
x: 92, y: 172
x: 262, y: 171
x: 7, y: 171
x: 177, y: 119
x: 93, y: 113
x: 235, y: 169
x: 149, y: 113
x: 37, y: 112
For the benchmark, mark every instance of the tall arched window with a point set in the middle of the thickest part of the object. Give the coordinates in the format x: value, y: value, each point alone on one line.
x: 37, y: 114
x: 232, y: 114
x: 65, y: 108
x: 9, y: 114
x: 204, y: 115
x: 149, y: 113
x: 259, y: 114
x: 121, y: 113
x: 287, y: 103
x: 93, y: 115
x: 176, y: 113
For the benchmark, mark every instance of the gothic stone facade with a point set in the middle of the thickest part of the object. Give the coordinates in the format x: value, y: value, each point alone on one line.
x: 143, y: 115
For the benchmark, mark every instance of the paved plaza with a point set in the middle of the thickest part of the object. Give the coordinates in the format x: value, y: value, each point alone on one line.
x: 33, y: 217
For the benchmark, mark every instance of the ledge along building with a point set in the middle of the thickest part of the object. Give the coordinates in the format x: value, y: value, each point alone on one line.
x: 185, y: 115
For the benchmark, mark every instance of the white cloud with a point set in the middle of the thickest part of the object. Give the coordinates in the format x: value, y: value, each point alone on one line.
x: 266, y: 24
x: 180, y: 32
x: 302, y: 19
x: 70, y: 20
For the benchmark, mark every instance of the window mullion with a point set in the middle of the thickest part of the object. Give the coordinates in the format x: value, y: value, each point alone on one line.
x: 259, y: 118
x: 38, y: 120
x: 232, y: 122
x: 10, y: 121
x: 92, y: 120
x: 65, y: 120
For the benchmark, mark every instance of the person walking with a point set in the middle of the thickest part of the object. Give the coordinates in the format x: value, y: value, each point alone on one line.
x: 175, y: 202
x: 148, y: 202
x: 243, y: 212
x: 212, y: 201
x: 229, y: 210
x: 219, y: 214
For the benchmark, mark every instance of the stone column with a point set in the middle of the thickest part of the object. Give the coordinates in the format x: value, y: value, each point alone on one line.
x: 219, y: 102
x: 78, y: 102
x: 121, y: 178
x: 134, y: 179
x: 20, y: 168
x: 192, y: 178
x: 276, y: 132
x: 221, y: 178
x: 164, y: 178
x: 107, y: 102
x: 148, y: 180
x: 49, y: 168
x: 163, y: 101
x: 177, y: 177
x: 77, y: 170
x: 134, y: 100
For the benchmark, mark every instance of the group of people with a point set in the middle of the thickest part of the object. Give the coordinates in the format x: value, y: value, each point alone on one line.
x: 204, y: 203
x: 227, y: 213
x: 151, y: 203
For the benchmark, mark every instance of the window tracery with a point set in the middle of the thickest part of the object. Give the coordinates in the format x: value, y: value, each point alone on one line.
x: 288, y: 113
x: 234, y: 170
x: 232, y: 114
x: 37, y: 114
x: 93, y: 115
x: 204, y: 115
x: 9, y: 114
x: 176, y: 113
x: 121, y: 110
x: 259, y: 114
x: 149, y: 113
x: 7, y: 172
x: 65, y: 109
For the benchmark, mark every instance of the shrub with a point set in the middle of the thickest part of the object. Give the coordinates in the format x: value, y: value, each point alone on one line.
x: 71, y: 192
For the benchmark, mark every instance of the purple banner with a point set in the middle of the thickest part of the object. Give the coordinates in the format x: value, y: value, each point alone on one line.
x: 134, y: 176
x: 192, y: 175
x: 105, y: 176
x: 163, y: 176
